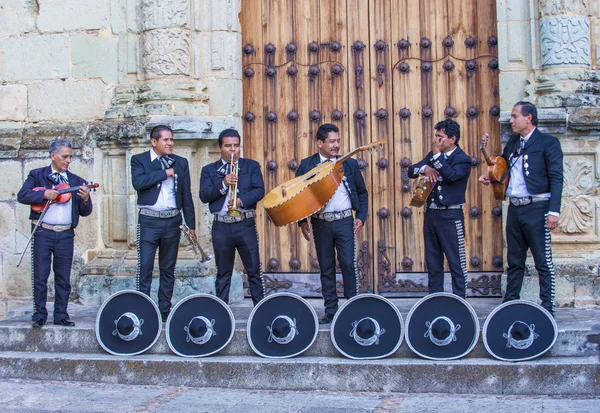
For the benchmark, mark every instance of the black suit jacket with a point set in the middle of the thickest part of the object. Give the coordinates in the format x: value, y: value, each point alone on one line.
x: 251, y: 186
x: 39, y: 178
x: 544, y: 157
x: 353, y: 180
x: 454, y: 171
x: 147, y: 177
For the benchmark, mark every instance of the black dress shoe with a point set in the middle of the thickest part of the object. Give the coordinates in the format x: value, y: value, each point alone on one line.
x: 164, y: 317
x: 326, y: 319
x: 38, y: 323
x: 65, y: 322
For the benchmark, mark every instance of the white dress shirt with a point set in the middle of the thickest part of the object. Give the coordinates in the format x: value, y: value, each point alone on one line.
x: 341, y: 198
x: 59, y: 214
x: 166, y: 197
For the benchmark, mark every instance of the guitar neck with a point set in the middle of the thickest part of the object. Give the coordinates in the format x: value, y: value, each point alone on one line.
x: 486, y: 156
x: 350, y: 154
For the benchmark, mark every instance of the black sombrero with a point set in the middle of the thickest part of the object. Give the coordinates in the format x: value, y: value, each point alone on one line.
x: 442, y: 326
x: 128, y: 323
x: 199, y: 325
x: 519, y: 330
x: 367, y: 326
x: 282, y: 325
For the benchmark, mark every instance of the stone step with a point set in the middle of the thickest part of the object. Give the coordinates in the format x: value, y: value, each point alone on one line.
x: 21, y: 337
x: 555, y: 375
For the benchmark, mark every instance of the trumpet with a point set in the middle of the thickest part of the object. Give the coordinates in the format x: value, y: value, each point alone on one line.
x: 233, y: 211
x: 204, y: 257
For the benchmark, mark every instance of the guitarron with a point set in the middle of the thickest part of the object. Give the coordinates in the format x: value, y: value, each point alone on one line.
x: 304, y: 195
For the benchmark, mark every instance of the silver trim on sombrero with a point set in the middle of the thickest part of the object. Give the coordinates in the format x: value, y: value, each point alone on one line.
x: 210, y: 331
x: 358, y: 297
x: 287, y: 339
x: 190, y: 297
x: 451, y: 337
x: 104, y: 305
x: 374, y: 339
x: 513, y: 302
x: 312, y: 310
x: 137, y: 327
x: 473, y: 315
x: 520, y: 344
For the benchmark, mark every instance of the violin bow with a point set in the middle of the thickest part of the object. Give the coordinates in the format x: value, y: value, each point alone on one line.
x: 35, y: 229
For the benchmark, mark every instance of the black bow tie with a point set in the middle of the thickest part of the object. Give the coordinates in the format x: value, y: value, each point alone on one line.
x: 56, y: 178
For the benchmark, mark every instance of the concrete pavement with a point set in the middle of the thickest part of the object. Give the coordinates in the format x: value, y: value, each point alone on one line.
x: 29, y: 396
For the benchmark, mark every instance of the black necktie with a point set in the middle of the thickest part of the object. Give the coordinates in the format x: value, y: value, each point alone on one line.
x: 57, y: 178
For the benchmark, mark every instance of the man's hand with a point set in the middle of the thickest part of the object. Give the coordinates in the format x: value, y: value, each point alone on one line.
x: 50, y: 194
x: 84, y: 193
x: 170, y: 172
x: 358, y: 224
x: 193, y: 232
x: 436, y: 145
x: 551, y: 221
x: 305, y: 230
x: 431, y: 173
x: 230, y: 179
x: 238, y: 203
x: 485, y: 179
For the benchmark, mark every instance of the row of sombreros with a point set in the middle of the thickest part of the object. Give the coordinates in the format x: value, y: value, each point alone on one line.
x: 440, y: 326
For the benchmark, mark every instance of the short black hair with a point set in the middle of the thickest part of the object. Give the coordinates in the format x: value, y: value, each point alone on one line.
x: 229, y: 133
x: 528, y: 108
x: 324, y: 130
x: 450, y: 128
x: 158, y: 130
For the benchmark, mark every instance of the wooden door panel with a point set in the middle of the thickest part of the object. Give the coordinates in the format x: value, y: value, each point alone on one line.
x: 379, y: 69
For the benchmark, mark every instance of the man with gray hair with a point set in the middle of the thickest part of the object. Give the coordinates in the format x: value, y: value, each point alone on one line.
x: 52, y: 243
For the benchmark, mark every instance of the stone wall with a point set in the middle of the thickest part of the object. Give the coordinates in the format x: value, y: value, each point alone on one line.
x: 99, y: 73
x: 550, y: 55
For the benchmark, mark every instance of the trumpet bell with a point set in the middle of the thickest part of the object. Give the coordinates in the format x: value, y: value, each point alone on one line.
x: 234, y: 213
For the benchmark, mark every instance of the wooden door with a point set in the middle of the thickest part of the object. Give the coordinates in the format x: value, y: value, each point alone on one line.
x: 378, y: 70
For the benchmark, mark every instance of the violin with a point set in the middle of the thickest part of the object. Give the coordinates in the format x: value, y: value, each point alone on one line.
x: 65, y: 192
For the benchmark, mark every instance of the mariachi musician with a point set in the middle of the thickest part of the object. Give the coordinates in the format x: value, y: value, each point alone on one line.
x: 535, y: 187
x: 448, y: 167
x: 334, y: 227
x: 231, y: 187
x: 52, y: 242
x: 162, y: 182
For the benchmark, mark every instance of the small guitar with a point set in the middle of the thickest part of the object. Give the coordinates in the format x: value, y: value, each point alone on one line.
x: 421, y: 191
x: 497, y: 170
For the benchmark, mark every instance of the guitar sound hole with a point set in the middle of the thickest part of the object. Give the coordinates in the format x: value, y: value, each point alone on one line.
x: 311, y: 177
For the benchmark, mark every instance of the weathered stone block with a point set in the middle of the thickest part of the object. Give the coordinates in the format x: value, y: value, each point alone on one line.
x: 512, y: 85
x: 118, y: 16
x: 65, y: 15
x: 10, y: 171
x: 225, y: 51
x: 36, y: 57
x: 85, y: 56
x: 7, y: 231
x: 110, y: 59
x: 18, y: 279
x: 222, y: 15
x: 13, y: 102
x: 160, y: 14
x: 225, y: 97
x: 84, y: 100
x: 18, y: 16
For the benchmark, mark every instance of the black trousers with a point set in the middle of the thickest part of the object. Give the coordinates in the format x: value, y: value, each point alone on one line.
x: 331, y: 238
x: 243, y: 237
x: 444, y: 234
x: 526, y: 229
x: 162, y: 234
x: 51, y: 249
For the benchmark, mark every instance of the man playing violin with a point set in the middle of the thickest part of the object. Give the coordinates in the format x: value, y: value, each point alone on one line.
x: 448, y: 167
x: 162, y: 181
x: 52, y: 243
x: 232, y: 198
x: 535, y: 162
x: 334, y: 228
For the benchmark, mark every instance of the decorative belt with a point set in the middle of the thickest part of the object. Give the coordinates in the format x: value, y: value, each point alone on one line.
x: 231, y: 220
x: 441, y: 208
x: 169, y: 213
x: 55, y: 228
x: 333, y: 216
x: 527, y: 200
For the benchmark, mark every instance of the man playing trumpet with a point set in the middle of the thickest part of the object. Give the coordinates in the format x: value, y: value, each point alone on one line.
x: 231, y: 187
